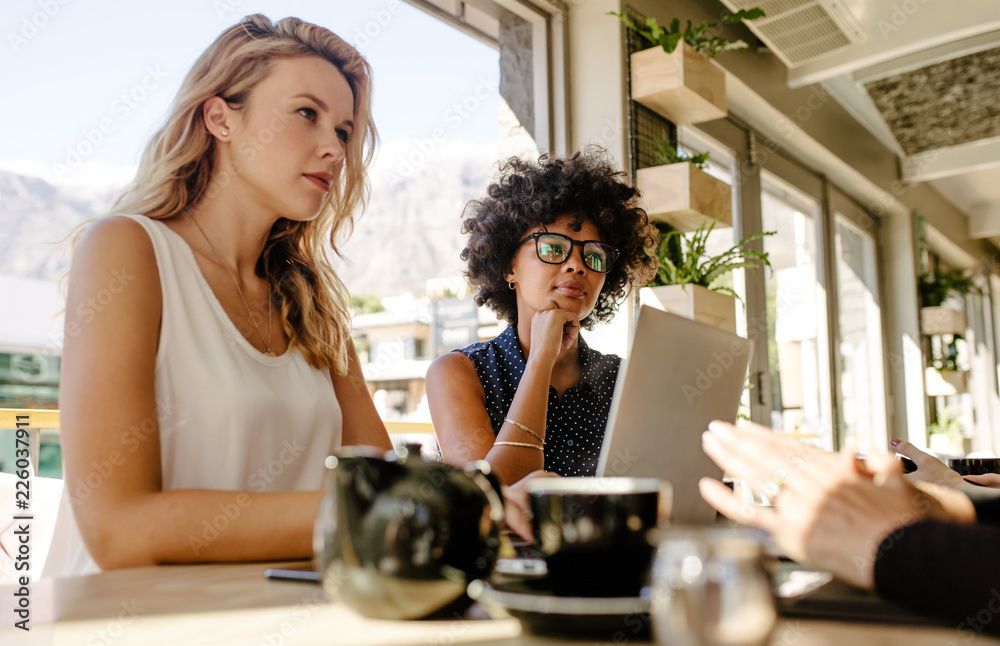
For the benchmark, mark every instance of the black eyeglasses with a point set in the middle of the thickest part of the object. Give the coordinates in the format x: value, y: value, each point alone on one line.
x: 555, y: 249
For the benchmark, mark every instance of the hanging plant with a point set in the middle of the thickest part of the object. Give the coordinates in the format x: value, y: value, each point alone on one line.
x: 664, y: 153
x: 935, y: 288
x: 684, y: 260
x: 694, y: 35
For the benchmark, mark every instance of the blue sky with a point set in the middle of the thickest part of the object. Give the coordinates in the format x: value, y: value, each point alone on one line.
x: 66, y: 64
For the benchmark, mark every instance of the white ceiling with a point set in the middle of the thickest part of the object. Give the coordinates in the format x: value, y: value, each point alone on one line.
x: 903, y: 36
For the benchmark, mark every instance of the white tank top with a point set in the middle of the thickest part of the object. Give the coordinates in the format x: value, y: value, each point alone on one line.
x: 230, y: 417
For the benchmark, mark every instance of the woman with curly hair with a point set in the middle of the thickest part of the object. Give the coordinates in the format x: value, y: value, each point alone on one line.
x: 554, y: 247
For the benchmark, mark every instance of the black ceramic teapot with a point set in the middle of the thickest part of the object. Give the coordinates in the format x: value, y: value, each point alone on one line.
x: 399, y: 537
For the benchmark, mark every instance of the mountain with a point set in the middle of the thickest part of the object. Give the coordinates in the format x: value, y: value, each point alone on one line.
x: 409, y: 233
x: 35, y: 220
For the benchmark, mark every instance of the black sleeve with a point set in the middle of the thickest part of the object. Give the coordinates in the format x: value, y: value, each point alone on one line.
x: 945, y: 569
x: 987, y: 504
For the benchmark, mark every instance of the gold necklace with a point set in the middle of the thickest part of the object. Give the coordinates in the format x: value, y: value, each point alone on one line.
x: 267, y: 342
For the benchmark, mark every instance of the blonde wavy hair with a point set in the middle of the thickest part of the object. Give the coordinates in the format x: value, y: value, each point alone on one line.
x: 176, y: 168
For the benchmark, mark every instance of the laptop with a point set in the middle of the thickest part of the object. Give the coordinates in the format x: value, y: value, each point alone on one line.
x: 680, y: 375
x: 803, y: 592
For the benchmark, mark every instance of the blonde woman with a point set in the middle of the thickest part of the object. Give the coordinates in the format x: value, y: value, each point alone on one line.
x: 208, y: 367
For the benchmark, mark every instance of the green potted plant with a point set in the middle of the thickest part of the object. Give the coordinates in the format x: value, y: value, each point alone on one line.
x: 945, y: 434
x: 935, y: 289
x: 945, y: 376
x: 679, y: 192
x: 693, y: 283
x: 676, y: 77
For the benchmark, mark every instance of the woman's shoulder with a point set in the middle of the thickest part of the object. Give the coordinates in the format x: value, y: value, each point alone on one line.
x: 115, y: 234
x: 118, y: 246
x: 451, y: 366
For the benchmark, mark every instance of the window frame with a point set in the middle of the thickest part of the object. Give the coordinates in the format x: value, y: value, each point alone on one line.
x: 549, y: 50
x: 754, y: 153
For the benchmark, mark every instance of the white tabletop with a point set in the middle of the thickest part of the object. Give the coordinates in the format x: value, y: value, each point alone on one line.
x: 235, y: 604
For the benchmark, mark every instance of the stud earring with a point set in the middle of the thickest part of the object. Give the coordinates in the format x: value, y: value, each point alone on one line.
x: 225, y: 133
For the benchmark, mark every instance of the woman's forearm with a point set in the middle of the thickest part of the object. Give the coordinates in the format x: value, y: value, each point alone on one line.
x: 529, y: 408
x: 197, y: 526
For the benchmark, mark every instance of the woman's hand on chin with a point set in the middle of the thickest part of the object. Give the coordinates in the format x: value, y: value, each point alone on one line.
x: 553, y: 331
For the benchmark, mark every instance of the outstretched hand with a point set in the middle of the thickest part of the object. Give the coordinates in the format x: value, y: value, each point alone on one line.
x: 830, y: 510
x: 986, y: 480
x: 929, y: 468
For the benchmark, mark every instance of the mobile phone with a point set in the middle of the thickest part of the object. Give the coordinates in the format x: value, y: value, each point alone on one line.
x: 909, y: 466
x: 306, y: 576
x: 522, y: 567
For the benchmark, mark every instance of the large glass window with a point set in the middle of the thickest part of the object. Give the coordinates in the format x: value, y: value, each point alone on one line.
x: 795, y: 296
x: 982, y: 379
x: 818, y: 370
x: 862, y: 394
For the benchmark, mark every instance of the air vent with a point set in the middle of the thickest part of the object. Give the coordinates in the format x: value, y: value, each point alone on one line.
x: 799, y: 31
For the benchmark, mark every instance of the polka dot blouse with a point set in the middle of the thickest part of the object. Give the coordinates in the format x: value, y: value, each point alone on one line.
x: 575, y: 425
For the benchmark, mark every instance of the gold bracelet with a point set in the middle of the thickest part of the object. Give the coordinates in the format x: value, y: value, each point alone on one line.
x: 526, y: 430
x: 522, y: 444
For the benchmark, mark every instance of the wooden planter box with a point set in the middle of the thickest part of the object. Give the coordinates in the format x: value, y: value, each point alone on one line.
x: 685, y: 197
x: 942, y: 383
x: 941, y: 320
x: 693, y: 302
x: 684, y: 86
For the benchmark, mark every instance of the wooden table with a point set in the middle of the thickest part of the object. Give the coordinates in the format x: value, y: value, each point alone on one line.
x: 234, y: 604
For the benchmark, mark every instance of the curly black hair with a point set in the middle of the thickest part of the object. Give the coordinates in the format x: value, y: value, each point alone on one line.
x: 529, y: 194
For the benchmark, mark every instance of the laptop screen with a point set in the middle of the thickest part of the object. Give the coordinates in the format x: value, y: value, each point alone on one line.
x: 680, y: 375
